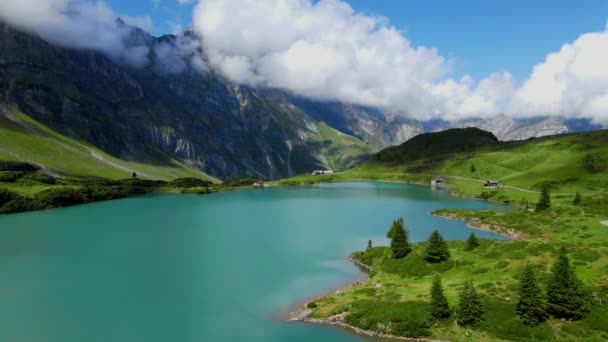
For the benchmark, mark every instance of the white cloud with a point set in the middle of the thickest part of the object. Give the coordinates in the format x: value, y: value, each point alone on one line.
x: 78, y: 24
x: 184, y: 2
x: 143, y: 22
x: 572, y: 82
x: 328, y: 50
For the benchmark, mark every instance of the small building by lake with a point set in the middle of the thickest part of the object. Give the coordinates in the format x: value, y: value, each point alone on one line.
x: 491, y: 184
x: 322, y: 172
x: 439, y: 181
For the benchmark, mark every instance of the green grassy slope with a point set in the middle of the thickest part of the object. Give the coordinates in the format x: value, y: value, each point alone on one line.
x: 523, y: 167
x: 337, y: 150
x: 494, y: 267
x: 23, y: 139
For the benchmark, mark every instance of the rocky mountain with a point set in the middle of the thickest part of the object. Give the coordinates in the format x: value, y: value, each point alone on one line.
x: 507, y: 129
x: 174, y: 106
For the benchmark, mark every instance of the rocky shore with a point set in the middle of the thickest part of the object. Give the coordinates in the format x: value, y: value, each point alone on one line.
x: 476, y: 223
x: 305, y: 315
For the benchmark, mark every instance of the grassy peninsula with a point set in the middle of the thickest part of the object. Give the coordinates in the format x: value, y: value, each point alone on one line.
x: 560, y: 233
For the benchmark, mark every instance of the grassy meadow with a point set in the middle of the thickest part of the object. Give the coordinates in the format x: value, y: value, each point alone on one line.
x: 395, y: 300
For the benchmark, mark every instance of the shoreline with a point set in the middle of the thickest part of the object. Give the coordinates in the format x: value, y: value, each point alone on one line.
x: 304, y: 315
x: 509, y: 234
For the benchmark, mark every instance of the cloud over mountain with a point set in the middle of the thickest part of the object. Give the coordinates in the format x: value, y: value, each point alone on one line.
x: 326, y: 49
x: 78, y: 24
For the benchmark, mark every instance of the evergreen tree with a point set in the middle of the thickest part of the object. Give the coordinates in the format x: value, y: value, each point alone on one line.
x: 473, y: 168
x: 472, y: 242
x: 545, y: 199
x: 577, y: 199
x: 397, y: 224
x: 134, y: 175
x: 439, y: 304
x: 469, y: 311
x: 369, y: 245
x: 437, y: 249
x: 399, y: 240
x: 531, y: 307
x: 566, y: 295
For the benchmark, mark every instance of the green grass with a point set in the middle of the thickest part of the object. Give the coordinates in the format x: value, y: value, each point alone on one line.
x: 523, y: 167
x: 24, y: 139
x: 337, y: 150
x: 494, y: 267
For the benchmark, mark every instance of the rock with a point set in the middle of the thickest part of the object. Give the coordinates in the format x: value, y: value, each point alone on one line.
x: 378, y: 286
x: 304, y: 315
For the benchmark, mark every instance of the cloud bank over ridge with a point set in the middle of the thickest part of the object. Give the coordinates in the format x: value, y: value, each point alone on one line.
x: 325, y: 49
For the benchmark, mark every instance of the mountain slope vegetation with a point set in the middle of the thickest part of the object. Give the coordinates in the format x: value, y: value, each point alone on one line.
x: 24, y: 139
x: 468, y: 157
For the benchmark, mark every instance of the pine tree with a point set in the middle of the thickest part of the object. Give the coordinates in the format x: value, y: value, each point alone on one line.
x: 397, y: 224
x: 545, y: 199
x: 566, y: 296
x: 399, y: 240
x: 472, y: 242
x: 577, y: 199
x: 531, y: 307
x: 437, y: 249
x: 369, y: 244
x: 439, y: 304
x: 469, y: 311
x: 473, y: 168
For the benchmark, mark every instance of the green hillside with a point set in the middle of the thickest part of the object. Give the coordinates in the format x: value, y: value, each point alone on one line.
x: 338, y: 151
x: 395, y: 299
x: 24, y: 139
x: 567, y: 163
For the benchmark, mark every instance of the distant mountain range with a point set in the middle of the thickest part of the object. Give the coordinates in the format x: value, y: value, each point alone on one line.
x: 175, y: 109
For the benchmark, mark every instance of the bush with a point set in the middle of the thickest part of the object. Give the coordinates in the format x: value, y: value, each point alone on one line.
x: 6, y: 165
x: 39, y: 178
x: 311, y: 305
x: 410, y: 329
x: 11, y: 176
x: 595, y: 163
x: 190, y: 183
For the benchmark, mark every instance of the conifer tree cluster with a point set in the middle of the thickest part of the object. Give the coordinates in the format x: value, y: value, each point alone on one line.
x: 470, y: 310
x: 437, y: 249
x: 439, y: 308
x: 531, y: 307
x: 399, y: 239
x: 369, y: 245
x: 472, y: 242
x: 566, y: 296
x: 545, y: 199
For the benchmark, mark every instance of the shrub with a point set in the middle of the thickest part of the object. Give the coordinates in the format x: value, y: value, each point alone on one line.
x: 311, y: 305
x: 39, y: 178
x: 595, y: 163
x: 186, y: 183
x: 6, y: 165
x: 11, y: 176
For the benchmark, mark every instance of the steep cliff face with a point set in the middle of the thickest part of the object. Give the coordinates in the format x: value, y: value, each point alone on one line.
x: 175, y: 105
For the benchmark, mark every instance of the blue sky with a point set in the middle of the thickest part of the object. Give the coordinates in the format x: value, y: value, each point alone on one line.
x: 480, y: 36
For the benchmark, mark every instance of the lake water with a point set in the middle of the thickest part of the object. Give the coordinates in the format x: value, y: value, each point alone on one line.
x: 219, y: 267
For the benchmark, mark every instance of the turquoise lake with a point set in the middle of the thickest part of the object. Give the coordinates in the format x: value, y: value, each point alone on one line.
x: 220, y: 267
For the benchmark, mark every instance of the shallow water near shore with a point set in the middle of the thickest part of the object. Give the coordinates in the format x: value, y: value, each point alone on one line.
x: 220, y: 267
